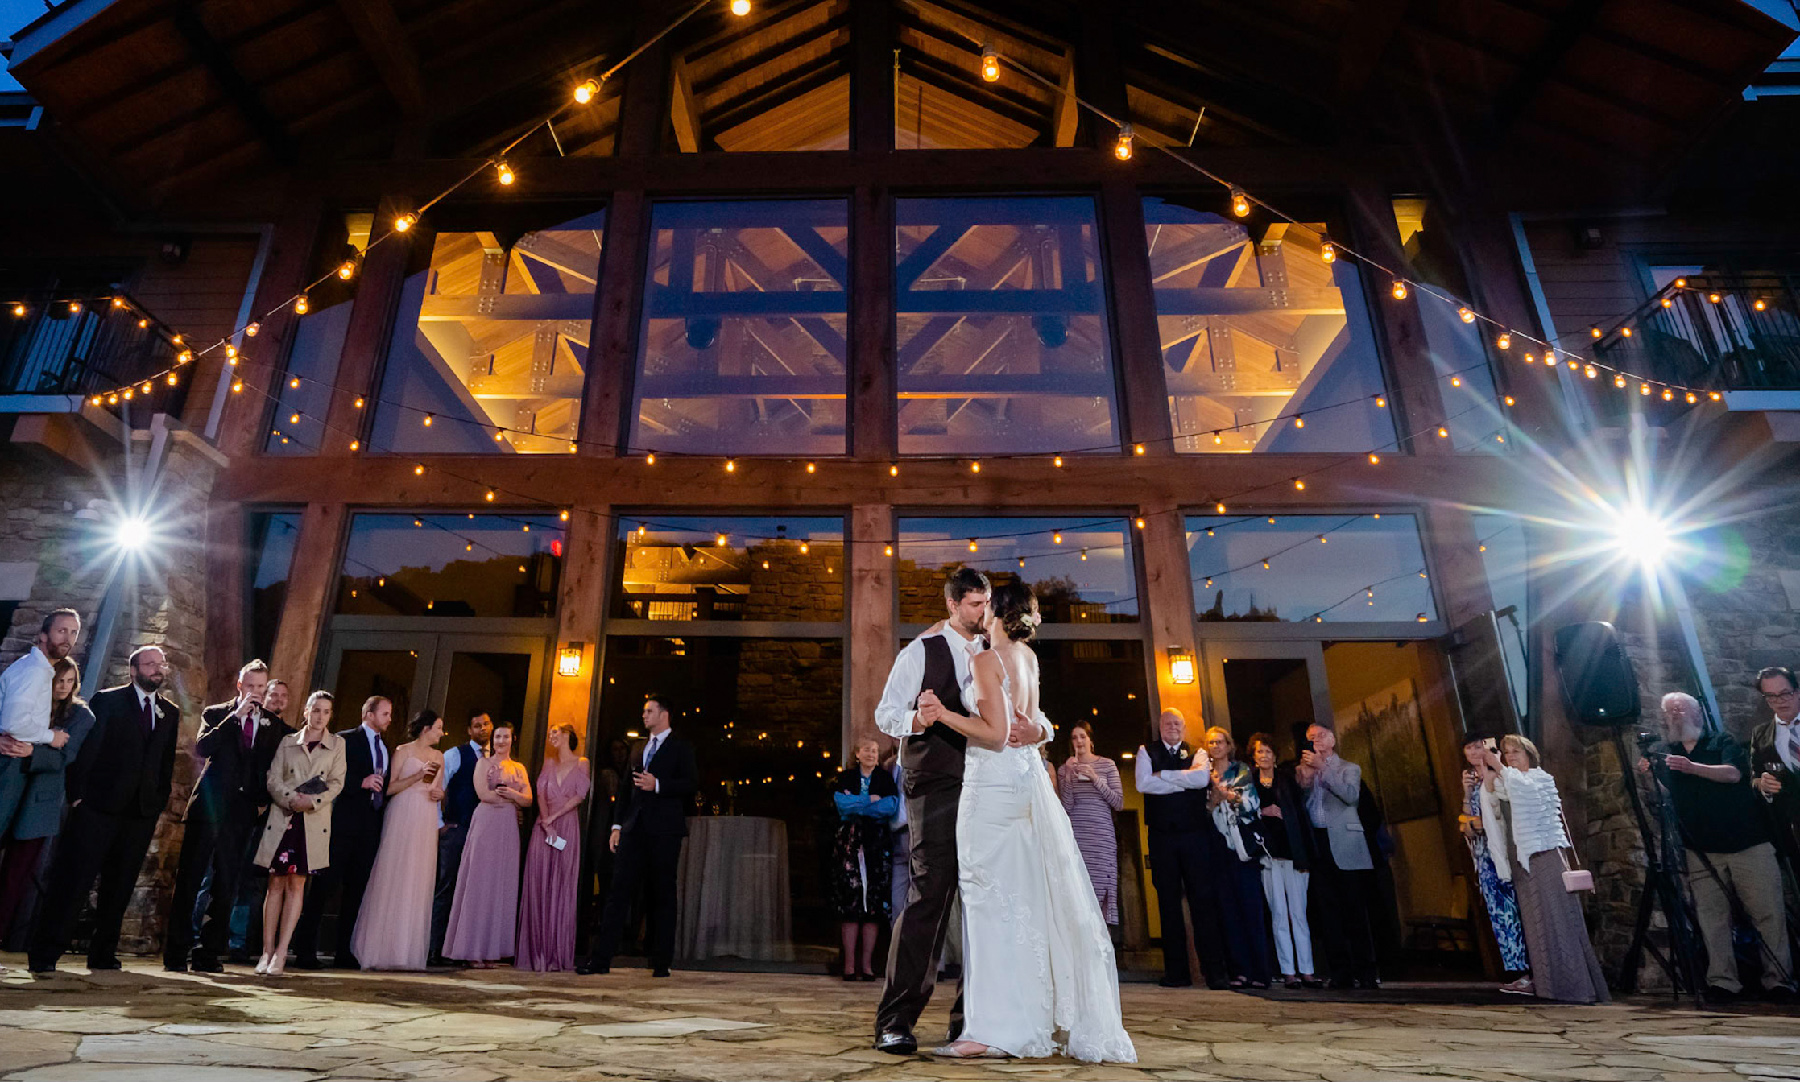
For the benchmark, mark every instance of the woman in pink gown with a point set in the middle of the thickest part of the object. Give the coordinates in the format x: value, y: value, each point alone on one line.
x: 547, y: 903
x: 393, y: 930
x: 484, y: 918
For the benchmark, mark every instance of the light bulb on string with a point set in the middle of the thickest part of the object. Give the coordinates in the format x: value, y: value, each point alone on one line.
x: 118, y: 302
x: 1760, y: 305
x: 144, y: 324
x: 170, y: 379
x: 504, y: 173
x: 1668, y: 395
x: 1084, y: 555
x: 1595, y: 331
x: 740, y: 8
x: 1625, y: 331
x: 301, y: 305
x: 1667, y: 303
x: 1618, y: 381
x: 1123, y: 145
x: 1443, y: 433
x: 1466, y: 315
x: 1509, y: 400
x: 990, y: 64
x: 893, y: 469
x: 1056, y: 538
x: 427, y: 420
x: 587, y: 91
x: 18, y: 311
x: 1240, y: 203
x: 1504, y: 341
x: 1299, y: 421
x: 650, y: 458
x: 1692, y: 398
x: 347, y: 269
x: 1591, y: 372
x: 74, y: 308
x: 1714, y: 297
x: 1057, y: 462
x: 1374, y: 459
x: 1219, y: 508
x: 1327, y: 250
x: 1398, y: 290
x: 974, y: 546
x: 1218, y: 440
x: 1456, y: 381
x: 237, y: 386
x: 405, y: 221
x: 358, y: 403
x: 250, y: 330
x: 975, y: 466
x: 1140, y: 523
x: 1138, y: 450
x: 812, y: 467
x: 731, y: 465
x: 294, y: 383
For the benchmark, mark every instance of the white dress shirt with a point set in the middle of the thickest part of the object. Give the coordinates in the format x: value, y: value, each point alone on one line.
x: 1784, y: 741
x: 25, y: 698
x: 895, y: 714
x: 148, y: 699
x: 378, y: 757
x: 1152, y: 782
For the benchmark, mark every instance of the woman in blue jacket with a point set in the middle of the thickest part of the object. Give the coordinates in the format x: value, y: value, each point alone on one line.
x: 862, y: 858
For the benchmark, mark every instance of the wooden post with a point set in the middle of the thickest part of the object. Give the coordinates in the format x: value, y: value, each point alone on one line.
x: 605, y: 424
x: 309, y: 594
x: 287, y: 270
x: 1145, y: 417
x: 1168, y: 610
x: 873, y: 409
x: 871, y: 603
x: 580, y: 617
x: 371, y: 328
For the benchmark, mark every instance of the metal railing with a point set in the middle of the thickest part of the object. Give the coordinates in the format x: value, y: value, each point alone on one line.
x: 87, y: 347
x: 1727, y: 332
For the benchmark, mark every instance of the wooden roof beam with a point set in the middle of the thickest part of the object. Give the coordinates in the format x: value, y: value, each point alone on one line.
x: 213, y: 56
x: 1369, y: 32
x: 1564, y: 32
x: 383, y: 38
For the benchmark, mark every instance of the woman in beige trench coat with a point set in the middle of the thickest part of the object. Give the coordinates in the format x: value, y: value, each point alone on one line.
x: 306, y: 776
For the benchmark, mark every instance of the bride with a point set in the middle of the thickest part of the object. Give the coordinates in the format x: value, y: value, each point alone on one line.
x: 1038, y: 973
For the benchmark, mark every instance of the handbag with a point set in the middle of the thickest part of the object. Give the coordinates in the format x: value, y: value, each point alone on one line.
x: 1575, y: 879
x: 312, y: 786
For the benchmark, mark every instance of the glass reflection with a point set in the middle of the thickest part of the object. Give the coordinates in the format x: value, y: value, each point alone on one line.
x: 1081, y: 568
x: 775, y: 569
x: 451, y: 565
x: 1256, y: 328
x: 1368, y: 567
x: 745, y: 313
x: 273, y: 537
x: 1003, y: 344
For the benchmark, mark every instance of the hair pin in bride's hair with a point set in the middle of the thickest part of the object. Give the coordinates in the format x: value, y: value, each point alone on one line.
x: 1031, y: 619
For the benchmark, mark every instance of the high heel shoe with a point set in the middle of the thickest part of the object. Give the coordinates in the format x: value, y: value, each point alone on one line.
x: 969, y: 1050
x: 262, y: 964
x: 277, y: 968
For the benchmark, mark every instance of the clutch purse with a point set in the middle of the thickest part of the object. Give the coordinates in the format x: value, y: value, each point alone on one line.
x: 312, y: 786
x: 1575, y: 879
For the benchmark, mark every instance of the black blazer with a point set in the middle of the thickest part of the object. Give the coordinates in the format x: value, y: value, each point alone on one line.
x: 1294, y: 822
x: 664, y: 812
x: 122, y: 770
x: 233, y: 782
x: 353, y: 813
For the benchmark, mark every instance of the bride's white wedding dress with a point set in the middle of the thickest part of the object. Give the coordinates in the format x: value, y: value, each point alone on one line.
x: 1038, y: 972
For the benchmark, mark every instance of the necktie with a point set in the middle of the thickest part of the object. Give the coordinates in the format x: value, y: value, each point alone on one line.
x: 650, y: 750
x: 1793, y: 730
x: 149, y: 715
x: 249, y: 731
x: 380, y: 757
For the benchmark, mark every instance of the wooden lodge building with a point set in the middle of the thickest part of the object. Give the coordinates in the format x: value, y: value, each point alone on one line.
x: 701, y: 383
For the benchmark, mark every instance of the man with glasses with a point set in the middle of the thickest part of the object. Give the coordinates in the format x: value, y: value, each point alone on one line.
x: 1775, y: 749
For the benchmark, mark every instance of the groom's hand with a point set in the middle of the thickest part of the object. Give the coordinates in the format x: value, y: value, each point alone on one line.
x: 1024, y: 731
x: 930, y: 710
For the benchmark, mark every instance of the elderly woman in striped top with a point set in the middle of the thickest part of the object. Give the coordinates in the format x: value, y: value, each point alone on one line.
x: 1563, y: 966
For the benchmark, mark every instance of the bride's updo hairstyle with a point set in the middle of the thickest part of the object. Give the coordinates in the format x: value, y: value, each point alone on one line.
x: 1012, y: 604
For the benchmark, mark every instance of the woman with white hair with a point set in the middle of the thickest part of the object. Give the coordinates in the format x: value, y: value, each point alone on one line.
x: 1563, y: 966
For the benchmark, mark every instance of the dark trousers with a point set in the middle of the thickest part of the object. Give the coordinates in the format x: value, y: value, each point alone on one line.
x: 1340, y: 903
x: 1246, y: 920
x: 18, y: 871
x: 212, y: 851
x: 643, y: 861
x: 93, y: 845
x: 347, y: 876
x: 918, y: 940
x: 1189, y: 864
x: 450, y: 851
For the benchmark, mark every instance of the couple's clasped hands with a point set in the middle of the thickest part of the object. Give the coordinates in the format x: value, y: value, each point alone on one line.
x: 1024, y: 729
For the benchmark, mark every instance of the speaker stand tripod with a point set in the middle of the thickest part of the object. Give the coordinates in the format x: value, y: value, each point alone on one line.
x: 1662, y: 855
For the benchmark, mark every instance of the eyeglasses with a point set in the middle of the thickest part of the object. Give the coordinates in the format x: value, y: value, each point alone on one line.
x: 1777, y: 696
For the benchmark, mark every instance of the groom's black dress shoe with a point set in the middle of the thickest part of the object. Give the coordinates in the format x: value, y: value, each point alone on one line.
x: 897, y: 1044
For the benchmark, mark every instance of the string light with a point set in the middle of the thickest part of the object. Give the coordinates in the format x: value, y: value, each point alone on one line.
x: 405, y: 221
x: 887, y: 550
x: 975, y: 467
x: 1504, y: 341
x: 812, y: 467
x: 1465, y: 314
x: 650, y: 458
x: 1327, y: 250
x: 419, y: 471
x: 1667, y: 303
x: 990, y: 64
x: 1595, y: 331
x: 1714, y: 297
x: 1374, y: 459
x: 893, y: 469
x: 1057, y: 462
x: 237, y: 386
x: 731, y: 465
x: 1299, y: 484
x: 1299, y: 421
x: 1626, y: 331
x: 1443, y: 433
x: 1509, y: 400
x: 1140, y: 523
x: 504, y: 173
x: 1138, y: 450
x: 1619, y: 381
x: 251, y: 330
x: 18, y: 311
x: 1218, y: 440
x: 426, y: 421
x: 1381, y: 401
x: 74, y: 308
x: 587, y: 91
x: 1591, y: 372
x: 359, y: 402
x: 1056, y: 538
x: 1122, y: 146
x: 356, y: 445
x: 741, y: 8
x: 973, y: 546
x: 301, y: 305
x: 1084, y: 555
x: 719, y: 541
x: 1399, y: 290
x: 347, y: 269
x: 1219, y: 508
x: 1759, y: 304
x: 1240, y: 203
x: 1456, y: 381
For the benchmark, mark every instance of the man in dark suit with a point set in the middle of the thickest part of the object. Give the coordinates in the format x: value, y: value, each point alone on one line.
x: 1775, y: 757
x: 237, y: 743
x: 118, y: 789
x: 355, y: 836
x: 648, y: 825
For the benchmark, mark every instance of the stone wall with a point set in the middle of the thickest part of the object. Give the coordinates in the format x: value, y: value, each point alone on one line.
x: 164, y: 602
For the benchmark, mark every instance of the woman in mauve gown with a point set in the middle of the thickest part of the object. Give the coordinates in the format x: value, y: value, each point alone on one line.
x: 484, y: 918
x: 393, y: 929
x: 547, y: 903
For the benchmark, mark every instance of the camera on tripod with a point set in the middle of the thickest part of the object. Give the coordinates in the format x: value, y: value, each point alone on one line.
x: 1647, y: 745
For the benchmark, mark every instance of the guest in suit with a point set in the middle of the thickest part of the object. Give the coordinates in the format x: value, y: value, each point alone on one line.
x: 484, y: 919
x: 393, y: 928
x: 866, y: 799
x: 246, y: 912
x: 118, y: 789
x: 1187, y: 853
x: 25, y: 707
x: 1775, y: 753
x: 40, y: 812
x: 236, y: 744
x: 455, y: 810
x: 553, y: 860
x: 1344, y: 872
x: 648, y: 825
x: 305, y: 779
x: 355, y: 838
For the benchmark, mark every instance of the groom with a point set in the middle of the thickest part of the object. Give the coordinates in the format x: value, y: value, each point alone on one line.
x: 929, y: 679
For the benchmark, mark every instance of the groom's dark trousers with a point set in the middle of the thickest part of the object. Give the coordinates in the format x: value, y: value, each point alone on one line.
x: 931, y: 783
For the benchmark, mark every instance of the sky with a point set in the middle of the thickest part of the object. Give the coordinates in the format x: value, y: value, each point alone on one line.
x: 13, y: 15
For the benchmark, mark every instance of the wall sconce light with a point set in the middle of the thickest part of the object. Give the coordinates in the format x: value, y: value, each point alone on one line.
x: 1181, y: 665
x: 568, y: 659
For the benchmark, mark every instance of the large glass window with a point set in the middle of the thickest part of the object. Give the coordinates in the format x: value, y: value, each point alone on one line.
x: 776, y: 569
x: 1003, y: 343
x: 490, y: 349
x: 273, y: 535
x: 1458, y: 350
x: 1507, y: 562
x: 745, y: 315
x: 944, y: 98
x: 1257, y: 329
x: 451, y: 565
x: 304, y: 394
x: 1080, y: 567
x: 1306, y: 568
x: 778, y: 79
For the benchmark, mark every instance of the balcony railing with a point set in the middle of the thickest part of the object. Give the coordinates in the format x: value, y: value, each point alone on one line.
x: 88, y: 347
x: 1722, y: 332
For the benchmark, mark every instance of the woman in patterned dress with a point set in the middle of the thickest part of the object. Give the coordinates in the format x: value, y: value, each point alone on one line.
x: 1090, y: 790
x: 862, y: 856
x: 1496, y: 889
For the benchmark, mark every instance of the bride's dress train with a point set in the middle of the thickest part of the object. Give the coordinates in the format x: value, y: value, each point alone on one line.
x: 1038, y: 972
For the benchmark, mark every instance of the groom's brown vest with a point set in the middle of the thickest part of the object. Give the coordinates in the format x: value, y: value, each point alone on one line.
x: 939, y: 749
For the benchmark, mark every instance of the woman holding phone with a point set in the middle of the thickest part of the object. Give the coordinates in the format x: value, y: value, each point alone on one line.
x: 393, y: 929
x: 547, y: 900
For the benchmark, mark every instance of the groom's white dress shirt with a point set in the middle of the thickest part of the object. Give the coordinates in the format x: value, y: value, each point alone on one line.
x: 895, y: 713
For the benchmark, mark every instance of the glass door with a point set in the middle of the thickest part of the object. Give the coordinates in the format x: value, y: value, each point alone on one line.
x: 1278, y: 688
